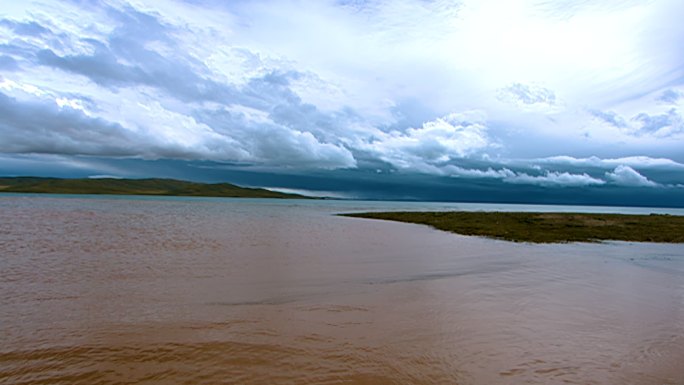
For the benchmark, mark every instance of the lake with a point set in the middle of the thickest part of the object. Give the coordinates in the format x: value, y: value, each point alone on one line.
x: 168, y: 290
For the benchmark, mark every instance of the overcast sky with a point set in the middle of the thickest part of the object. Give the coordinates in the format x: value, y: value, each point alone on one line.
x: 523, y: 92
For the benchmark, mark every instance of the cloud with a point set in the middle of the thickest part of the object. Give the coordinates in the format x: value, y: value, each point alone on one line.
x: 44, y: 127
x: 140, y: 51
x: 126, y: 61
x: 30, y: 28
x: 107, y: 69
x: 547, y: 178
x: 8, y: 63
x: 593, y: 161
x: 553, y: 178
x: 666, y: 124
x: 653, y: 124
x: 41, y: 125
x: 458, y: 171
x: 527, y: 94
x: 670, y: 96
x: 610, y: 117
x: 627, y: 176
x: 278, y: 146
x: 436, y: 142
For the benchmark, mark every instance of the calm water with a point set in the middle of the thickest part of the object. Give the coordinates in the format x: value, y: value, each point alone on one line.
x: 105, y: 290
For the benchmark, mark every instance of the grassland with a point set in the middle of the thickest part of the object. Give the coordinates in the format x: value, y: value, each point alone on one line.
x: 168, y: 187
x: 547, y: 227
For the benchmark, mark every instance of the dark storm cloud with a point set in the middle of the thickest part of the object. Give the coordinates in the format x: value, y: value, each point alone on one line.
x: 45, y: 127
x: 41, y: 127
x: 357, y: 183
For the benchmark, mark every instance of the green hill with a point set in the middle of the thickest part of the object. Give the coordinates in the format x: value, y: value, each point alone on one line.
x: 169, y: 187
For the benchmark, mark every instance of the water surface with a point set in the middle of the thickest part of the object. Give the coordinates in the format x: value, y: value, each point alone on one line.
x: 106, y: 290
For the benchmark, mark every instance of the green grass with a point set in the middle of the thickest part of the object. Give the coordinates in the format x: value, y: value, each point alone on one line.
x: 547, y: 227
x: 168, y: 187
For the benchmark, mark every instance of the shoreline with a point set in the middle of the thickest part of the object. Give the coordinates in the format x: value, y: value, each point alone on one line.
x: 538, y: 227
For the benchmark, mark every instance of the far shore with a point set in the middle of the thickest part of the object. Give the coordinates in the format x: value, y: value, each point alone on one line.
x: 546, y: 227
x: 152, y: 186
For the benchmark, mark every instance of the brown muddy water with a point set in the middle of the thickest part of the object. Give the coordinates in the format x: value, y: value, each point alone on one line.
x: 223, y: 291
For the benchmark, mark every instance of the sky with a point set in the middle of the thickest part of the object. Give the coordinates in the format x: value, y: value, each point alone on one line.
x: 567, y: 101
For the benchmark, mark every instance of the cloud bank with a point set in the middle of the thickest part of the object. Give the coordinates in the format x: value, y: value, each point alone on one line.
x: 627, y: 176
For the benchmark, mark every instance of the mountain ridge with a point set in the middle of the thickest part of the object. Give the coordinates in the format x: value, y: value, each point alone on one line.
x: 147, y: 186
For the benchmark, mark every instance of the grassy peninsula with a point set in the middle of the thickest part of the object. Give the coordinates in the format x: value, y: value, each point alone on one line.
x: 547, y: 227
x: 170, y: 187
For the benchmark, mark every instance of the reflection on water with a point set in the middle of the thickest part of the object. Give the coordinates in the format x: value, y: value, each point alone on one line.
x: 104, y: 291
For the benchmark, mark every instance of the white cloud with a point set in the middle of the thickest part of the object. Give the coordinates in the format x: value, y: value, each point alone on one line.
x: 457, y: 171
x: 553, y: 178
x: 528, y: 97
x: 548, y: 178
x: 436, y: 142
x: 632, y: 161
x: 627, y: 176
x: 24, y: 88
x: 621, y: 172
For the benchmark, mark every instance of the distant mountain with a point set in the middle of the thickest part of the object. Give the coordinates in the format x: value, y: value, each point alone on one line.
x: 169, y: 187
